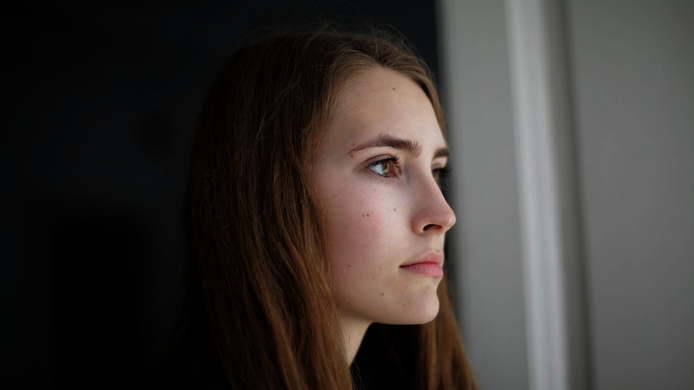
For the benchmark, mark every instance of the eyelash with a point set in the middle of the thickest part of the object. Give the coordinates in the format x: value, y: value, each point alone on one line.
x: 437, y: 173
x: 440, y: 173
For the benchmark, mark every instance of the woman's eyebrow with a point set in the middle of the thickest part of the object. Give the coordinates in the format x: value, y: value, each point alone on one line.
x: 409, y: 146
x: 442, y: 152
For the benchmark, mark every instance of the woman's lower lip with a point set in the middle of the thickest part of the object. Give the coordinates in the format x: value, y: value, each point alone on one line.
x: 425, y: 269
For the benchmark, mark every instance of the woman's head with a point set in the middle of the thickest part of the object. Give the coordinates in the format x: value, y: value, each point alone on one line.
x: 289, y: 226
x: 377, y: 174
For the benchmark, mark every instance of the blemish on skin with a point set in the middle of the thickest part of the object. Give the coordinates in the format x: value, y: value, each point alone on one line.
x: 349, y: 265
x: 382, y: 294
x: 373, y: 278
x: 351, y: 155
x: 393, y: 88
x: 349, y: 303
x: 367, y: 215
x: 396, y: 210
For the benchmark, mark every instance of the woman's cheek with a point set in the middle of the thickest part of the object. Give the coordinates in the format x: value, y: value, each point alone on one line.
x: 361, y: 235
x: 363, y: 224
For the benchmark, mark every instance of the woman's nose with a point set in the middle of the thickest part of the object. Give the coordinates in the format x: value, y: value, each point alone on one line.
x: 433, y: 214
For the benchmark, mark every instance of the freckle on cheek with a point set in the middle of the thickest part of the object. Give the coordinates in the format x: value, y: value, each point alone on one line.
x: 382, y: 294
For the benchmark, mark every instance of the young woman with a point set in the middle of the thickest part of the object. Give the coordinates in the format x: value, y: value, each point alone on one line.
x: 316, y: 223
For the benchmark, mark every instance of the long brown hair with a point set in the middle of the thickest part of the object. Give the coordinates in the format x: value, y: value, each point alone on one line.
x: 260, y: 306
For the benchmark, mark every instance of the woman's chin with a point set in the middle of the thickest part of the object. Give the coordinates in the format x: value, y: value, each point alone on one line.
x: 415, y: 312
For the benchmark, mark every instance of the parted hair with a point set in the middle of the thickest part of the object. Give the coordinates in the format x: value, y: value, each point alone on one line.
x: 260, y: 310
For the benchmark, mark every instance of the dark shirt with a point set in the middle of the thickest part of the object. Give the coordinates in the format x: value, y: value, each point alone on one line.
x: 377, y: 367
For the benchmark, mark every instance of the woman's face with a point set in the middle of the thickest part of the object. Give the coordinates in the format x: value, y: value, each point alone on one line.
x: 376, y: 175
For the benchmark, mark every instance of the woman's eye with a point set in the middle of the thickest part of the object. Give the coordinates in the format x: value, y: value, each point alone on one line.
x: 386, y: 167
x: 440, y: 173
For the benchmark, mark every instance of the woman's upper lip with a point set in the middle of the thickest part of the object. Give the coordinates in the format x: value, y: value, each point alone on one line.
x: 431, y: 256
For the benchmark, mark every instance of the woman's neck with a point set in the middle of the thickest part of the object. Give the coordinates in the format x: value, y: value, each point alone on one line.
x: 353, y: 331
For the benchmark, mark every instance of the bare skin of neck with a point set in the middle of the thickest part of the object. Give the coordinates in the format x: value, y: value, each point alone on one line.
x: 353, y: 331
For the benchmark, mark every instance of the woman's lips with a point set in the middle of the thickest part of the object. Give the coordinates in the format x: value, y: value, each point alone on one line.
x: 425, y: 269
x: 429, y: 263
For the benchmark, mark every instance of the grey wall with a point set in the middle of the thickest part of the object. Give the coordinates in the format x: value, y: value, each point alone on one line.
x: 631, y: 81
x: 633, y: 67
x: 486, y: 241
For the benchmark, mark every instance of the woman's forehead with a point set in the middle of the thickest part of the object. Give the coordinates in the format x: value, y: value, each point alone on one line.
x: 382, y: 102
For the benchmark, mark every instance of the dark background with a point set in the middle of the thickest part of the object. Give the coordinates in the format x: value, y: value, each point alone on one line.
x: 102, y: 101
